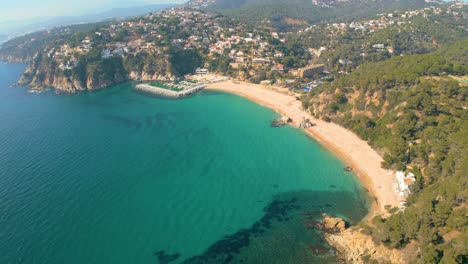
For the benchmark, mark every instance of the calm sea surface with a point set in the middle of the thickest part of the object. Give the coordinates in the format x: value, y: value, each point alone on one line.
x: 116, y: 176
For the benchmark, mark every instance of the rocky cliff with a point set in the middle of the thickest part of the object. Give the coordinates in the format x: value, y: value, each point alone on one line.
x: 39, y: 75
x: 162, y: 70
x: 45, y: 73
x: 353, y: 246
x: 15, y: 59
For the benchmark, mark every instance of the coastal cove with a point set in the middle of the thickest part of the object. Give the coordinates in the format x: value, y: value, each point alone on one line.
x: 222, y: 132
x: 116, y: 176
x: 343, y: 143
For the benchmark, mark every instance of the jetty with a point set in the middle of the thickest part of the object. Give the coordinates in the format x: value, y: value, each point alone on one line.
x: 170, y: 93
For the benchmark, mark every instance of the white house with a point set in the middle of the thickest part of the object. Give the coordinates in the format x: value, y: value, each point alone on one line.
x: 404, y: 181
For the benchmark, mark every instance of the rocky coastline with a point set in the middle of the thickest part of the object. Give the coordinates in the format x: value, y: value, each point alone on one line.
x: 353, y: 246
x: 42, y: 74
x: 39, y: 79
x: 10, y: 59
x: 67, y: 84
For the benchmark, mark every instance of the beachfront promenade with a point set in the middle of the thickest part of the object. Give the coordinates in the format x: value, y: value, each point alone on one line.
x: 169, y: 93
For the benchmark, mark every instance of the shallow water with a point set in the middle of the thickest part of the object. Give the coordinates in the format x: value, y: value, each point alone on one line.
x: 116, y: 176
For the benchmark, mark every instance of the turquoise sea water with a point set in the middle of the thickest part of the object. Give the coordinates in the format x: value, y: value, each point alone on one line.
x: 116, y: 176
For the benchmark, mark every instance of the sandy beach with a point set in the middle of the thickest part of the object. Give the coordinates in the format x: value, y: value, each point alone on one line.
x: 352, y: 150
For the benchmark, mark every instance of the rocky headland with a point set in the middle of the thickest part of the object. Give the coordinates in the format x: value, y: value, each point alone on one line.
x: 43, y: 73
x: 14, y: 59
x: 354, y: 246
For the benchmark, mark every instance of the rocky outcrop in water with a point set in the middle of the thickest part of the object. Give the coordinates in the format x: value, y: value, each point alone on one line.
x: 306, y: 124
x: 279, y: 122
x: 353, y: 246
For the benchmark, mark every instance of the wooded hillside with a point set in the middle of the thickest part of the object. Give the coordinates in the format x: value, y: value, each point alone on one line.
x: 413, y: 109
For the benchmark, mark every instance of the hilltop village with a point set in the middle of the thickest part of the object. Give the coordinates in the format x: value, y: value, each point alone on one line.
x: 168, y: 45
x: 223, y: 43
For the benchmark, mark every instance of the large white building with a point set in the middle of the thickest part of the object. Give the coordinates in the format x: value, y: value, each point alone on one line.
x: 404, y: 181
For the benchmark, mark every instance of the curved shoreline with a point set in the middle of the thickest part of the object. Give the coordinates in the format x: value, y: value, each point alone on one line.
x: 345, y: 144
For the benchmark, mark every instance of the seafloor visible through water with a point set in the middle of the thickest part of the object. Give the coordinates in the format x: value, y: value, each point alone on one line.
x: 285, y: 234
x: 116, y: 176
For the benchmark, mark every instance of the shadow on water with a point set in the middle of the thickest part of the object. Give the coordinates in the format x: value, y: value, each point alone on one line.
x: 287, y: 231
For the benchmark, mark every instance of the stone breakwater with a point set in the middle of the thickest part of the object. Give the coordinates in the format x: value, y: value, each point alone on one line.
x: 169, y: 93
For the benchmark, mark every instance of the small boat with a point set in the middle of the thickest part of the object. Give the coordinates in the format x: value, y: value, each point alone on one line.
x: 348, y: 169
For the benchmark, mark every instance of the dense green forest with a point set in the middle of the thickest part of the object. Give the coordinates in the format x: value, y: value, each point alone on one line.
x: 415, y: 114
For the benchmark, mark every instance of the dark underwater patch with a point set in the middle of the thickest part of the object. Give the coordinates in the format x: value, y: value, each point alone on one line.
x: 155, y: 121
x: 122, y: 121
x: 165, y: 258
x: 220, y: 252
x: 287, y: 231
